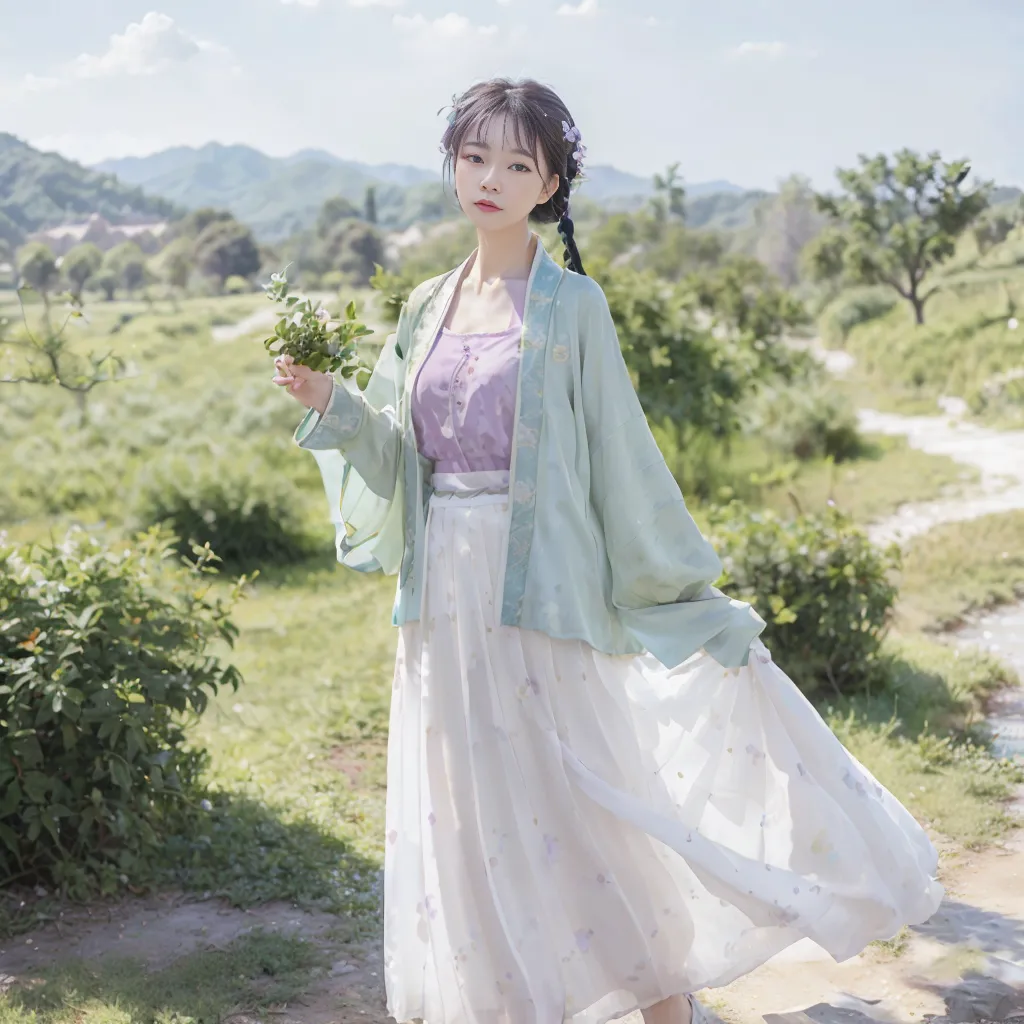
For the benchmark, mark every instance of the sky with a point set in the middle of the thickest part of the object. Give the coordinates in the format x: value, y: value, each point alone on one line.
x: 744, y: 90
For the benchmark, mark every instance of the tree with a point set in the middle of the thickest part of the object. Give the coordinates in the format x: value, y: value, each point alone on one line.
x: 334, y: 210
x: 176, y: 263
x: 895, y: 222
x: 355, y: 248
x: 127, y: 263
x: 784, y: 225
x: 80, y: 264
x: 227, y: 248
x: 669, y: 195
x: 370, y: 214
x: 193, y: 225
x: 38, y: 269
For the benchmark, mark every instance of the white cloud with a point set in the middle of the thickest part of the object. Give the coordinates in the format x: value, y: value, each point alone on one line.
x: 583, y: 8
x: 375, y: 3
x: 301, y: 3
x: 751, y: 49
x: 144, y: 48
x: 504, y: 3
x: 448, y: 26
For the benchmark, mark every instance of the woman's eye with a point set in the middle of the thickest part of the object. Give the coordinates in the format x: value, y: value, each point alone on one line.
x: 524, y: 167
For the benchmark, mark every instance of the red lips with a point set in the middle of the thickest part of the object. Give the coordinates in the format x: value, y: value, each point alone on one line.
x: 485, y: 204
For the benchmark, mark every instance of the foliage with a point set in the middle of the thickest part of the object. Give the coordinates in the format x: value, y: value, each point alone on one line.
x: 103, y: 652
x: 825, y: 591
x: 228, y: 499
x: 126, y: 263
x: 669, y: 195
x: 394, y: 290
x: 176, y: 262
x: 44, y: 189
x: 970, y: 347
x: 333, y: 211
x: 47, y: 356
x: 852, y: 308
x: 895, y: 222
x: 783, y: 226
x: 236, y: 285
x: 996, y: 226
x: 303, y: 333
x: 37, y: 268
x: 80, y: 264
x: 809, y: 420
x: 225, y: 248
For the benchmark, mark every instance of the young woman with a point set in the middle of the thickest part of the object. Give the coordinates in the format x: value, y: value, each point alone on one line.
x: 602, y: 793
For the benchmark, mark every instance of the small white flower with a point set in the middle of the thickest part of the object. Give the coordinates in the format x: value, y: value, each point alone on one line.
x: 206, y: 805
x: 1012, y: 323
x: 322, y: 315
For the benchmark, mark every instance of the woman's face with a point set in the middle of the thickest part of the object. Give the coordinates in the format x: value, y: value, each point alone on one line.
x: 490, y: 168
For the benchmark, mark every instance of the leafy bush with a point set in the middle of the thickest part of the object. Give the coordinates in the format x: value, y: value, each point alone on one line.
x: 852, y: 308
x: 824, y: 590
x: 103, y: 651
x: 237, y: 285
x: 809, y: 421
x: 230, y: 500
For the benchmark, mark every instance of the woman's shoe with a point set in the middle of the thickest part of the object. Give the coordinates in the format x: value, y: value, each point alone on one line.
x: 697, y: 1014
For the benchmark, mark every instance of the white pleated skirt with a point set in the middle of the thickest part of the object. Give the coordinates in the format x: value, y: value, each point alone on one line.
x: 572, y: 835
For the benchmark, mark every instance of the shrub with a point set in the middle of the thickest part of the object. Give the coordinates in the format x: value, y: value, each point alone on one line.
x: 824, y: 590
x: 237, y: 285
x: 852, y: 308
x: 231, y: 501
x: 103, y: 651
x: 809, y: 421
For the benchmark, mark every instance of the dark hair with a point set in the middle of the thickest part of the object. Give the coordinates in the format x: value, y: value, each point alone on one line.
x: 536, y: 114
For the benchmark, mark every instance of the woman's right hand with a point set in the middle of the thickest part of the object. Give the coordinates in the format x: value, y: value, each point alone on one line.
x: 312, y: 388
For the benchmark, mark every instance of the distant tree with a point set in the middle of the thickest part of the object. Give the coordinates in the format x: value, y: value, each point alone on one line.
x: 669, y: 195
x: 80, y: 264
x: 108, y: 280
x: 895, y: 222
x: 995, y: 228
x: 355, y: 248
x: 196, y: 222
x: 334, y: 210
x: 370, y: 214
x: 37, y: 268
x: 128, y: 264
x: 176, y: 263
x: 227, y: 248
x: 784, y: 224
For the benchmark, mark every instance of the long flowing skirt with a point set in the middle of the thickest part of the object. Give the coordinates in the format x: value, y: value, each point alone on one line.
x: 572, y: 835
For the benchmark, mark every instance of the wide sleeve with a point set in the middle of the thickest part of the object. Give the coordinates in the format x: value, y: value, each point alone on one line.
x: 662, y: 567
x: 358, y: 446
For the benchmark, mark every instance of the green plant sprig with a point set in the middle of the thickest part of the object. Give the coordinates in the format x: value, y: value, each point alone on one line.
x: 309, y: 337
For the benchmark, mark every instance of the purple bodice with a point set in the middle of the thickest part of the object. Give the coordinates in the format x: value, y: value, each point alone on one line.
x: 464, y: 396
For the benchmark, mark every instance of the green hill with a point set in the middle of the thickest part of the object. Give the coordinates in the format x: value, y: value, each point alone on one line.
x: 279, y: 196
x: 39, y: 190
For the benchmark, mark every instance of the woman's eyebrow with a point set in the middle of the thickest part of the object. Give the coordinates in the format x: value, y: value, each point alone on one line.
x: 484, y: 145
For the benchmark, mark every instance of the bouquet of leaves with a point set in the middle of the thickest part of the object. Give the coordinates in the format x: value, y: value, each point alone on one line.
x: 305, y: 333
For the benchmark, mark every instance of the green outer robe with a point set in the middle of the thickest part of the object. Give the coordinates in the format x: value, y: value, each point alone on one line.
x: 601, y: 546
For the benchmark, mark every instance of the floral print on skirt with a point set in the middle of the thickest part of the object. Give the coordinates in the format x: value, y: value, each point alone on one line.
x: 572, y: 835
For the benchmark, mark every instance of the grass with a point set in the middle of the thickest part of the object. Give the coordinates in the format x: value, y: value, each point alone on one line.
x: 958, y: 568
x: 965, y: 343
x: 255, y: 974
x: 921, y: 738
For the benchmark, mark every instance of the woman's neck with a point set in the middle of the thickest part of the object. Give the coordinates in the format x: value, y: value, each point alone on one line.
x: 504, y: 254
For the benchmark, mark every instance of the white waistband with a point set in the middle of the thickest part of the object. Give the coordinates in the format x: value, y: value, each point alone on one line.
x: 484, y: 487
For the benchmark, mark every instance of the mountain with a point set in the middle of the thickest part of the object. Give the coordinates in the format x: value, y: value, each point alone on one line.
x: 41, y: 190
x: 278, y: 196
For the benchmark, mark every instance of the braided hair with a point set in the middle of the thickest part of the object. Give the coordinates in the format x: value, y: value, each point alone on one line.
x: 537, y: 114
